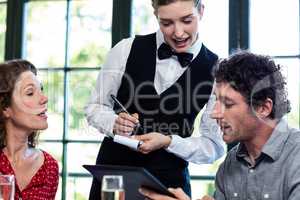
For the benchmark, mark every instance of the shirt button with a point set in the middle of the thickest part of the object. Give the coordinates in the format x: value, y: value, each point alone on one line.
x: 251, y: 170
x: 266, y: 196
x: 235, y: 194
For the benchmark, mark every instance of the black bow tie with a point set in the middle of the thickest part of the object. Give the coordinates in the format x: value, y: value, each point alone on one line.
x: 165, y: 51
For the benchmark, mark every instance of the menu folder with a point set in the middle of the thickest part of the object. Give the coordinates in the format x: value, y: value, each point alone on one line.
x: 133, y: 177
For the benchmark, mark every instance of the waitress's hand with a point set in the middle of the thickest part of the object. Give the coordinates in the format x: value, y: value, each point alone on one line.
x: 125, y: 124
x: 152, y: 141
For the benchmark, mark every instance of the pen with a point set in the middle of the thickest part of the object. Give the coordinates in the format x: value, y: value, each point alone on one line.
x: 123, y: 108
x: 119, y: 104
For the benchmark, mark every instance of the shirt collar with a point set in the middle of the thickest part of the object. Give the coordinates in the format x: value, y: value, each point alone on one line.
x: 274, y: 145
x: 276, y: 142
x: 241, y: 151
x: 194, y: 49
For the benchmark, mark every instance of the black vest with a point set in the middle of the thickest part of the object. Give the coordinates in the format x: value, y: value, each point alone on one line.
x: 172, y: 112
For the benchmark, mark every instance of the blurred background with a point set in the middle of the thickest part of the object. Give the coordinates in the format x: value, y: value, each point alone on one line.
x: 68, y: 41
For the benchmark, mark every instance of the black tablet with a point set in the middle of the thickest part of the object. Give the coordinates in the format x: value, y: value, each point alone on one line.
x: 134, y: 178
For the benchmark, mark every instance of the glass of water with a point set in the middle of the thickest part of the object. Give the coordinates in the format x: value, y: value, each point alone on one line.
x: 112, y: 188
x: 7, y: 187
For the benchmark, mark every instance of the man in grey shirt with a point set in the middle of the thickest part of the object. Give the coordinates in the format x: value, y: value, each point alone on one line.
x: 251, y: 101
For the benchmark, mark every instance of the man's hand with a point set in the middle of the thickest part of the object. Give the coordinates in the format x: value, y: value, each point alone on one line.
x: 153, y: 141
x: 207, y: 198
x: 125, y: 123
x: 178, y: 193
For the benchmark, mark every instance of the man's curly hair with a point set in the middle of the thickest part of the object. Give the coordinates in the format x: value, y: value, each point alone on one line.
x: 256, y: 78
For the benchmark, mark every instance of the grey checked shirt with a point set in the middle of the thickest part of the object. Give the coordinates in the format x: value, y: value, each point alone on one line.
x: 275, y: 175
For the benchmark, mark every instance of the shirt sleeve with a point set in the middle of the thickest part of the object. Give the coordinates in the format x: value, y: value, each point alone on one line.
x: 294, y: 175
x: 207, y: 147
x: 295, y: 189
x: 219, y: 183
x: 99, y: 109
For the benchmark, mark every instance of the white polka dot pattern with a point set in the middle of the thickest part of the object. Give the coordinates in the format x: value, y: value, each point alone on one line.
x: 43, y: 184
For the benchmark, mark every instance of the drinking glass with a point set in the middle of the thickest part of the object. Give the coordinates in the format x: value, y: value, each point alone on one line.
x: 112, y: 188
x: 7, y: 187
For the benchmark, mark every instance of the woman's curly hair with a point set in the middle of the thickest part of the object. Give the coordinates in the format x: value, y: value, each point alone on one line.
x: 10, y: 71
x: 256, y: 78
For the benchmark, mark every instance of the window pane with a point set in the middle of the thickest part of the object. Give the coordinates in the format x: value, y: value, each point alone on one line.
x: 90, y: 35
x: 81, y: 154
x: 53, y: 88
x: 214, y: 26
x: 45, y: 33
x: 275, y: 33
x: 81, y: 85
x: 143, y: 19
x: 205, y: 169
x: 2, y: 30
x: 54, y: 149
x: 201, y: 188
x: 291, y: 72
x: 78, y: 188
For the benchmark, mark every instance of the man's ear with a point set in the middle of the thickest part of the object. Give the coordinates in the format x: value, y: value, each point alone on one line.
x: 264, y: 110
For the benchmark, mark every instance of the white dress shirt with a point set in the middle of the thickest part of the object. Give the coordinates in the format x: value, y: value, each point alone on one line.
x: 205, y: 148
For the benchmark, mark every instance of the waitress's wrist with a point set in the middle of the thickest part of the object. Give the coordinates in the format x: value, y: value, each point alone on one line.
x: 168, y: 141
